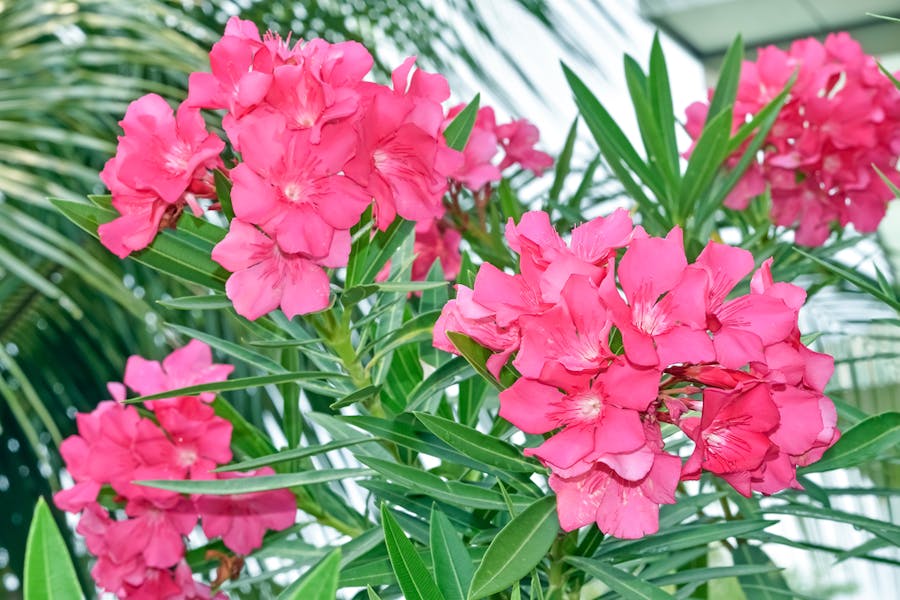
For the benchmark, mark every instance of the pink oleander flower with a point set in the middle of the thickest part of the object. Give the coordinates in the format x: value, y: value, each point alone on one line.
x: 477, y: 170
x: 162, y: 163
x: 620, y: 507
x: 294, y: 190
x: 265, y: 277
x: 241, y: 520
x: 319, y: 88
x: 842, y: 118
x: 436, y: 241
x: 608, y: 348
x: 518, y: 139
x: 661, y: 318
x: 152, y: 532
x: 186, y: 366
x: 201, y: 441
x: 140, y: 545
x: 402, y: 159
x: 490, y: 312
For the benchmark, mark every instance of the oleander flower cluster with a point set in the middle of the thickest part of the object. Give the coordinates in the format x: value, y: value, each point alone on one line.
x: 610, y: 348
x: 137, y: 533
x: 841, y: 119
x: 318, y: 145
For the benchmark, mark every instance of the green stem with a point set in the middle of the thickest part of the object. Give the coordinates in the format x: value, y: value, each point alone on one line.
x: 290, y: 394
x: 337, y: 335
x: 559, y: 580
x: 312, y: 508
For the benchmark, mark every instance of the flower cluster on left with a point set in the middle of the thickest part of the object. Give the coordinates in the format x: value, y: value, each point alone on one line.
x: 318, y: 145
x: 137, y: 532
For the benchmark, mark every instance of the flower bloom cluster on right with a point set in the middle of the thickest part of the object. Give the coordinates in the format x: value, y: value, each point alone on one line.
x: 609, y: 349
x: 842, y: 117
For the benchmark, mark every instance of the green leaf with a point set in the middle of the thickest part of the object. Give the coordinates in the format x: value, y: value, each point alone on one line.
x: 358, y: 292
x: 261, y: 483
x: 412, y: 574
x: 885, y: 530
x: 174, y: 253
x: 452, y: 371
x: 383, y: 246
x: 452, y: 564
x: 615, y: 146
x: 319, y: 583
x: 417, y: 329
x: 476, y: 355
x: 626, y: 584
x: 49, y: 572
x: 648, y: 124
x: 203, y: 302
x: 729, y: 76
x: 707, y: 157
x: 241, y: 383
x: 292, y: 454
x: 564, y: 162
x: 661, y: 100
x: 372, y: 594
x: 231, y: 349
x: 708, y: 573
x: 478, y: 446
x: 360, y: 395
x: 466, y: 495
x: 223, y: 193
x: 688, y: 536
x: 862, y: 443
x: 516, y: 549
x: 866, y: 284
x: 460, y: 128
x: 759, y: 586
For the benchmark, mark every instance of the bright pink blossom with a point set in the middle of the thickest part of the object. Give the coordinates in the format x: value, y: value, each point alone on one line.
x: 436, y: 241
x: 186, y: 366
x: 621, y: 507
x: 241, y: 520
x: 265, y: 277
x: 477, y: 169
x: 402, y: 158
x: 293, y: 189
x: 141, y: 555
x: 161, y: 163
x: 842, y: 117
x: 609, y: 347
x: 518, y: 139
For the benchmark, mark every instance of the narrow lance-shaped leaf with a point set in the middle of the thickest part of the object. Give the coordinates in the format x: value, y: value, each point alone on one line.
x: 863, y: 442
x: 626, y: 584
x: 516, y: 549
x: 245, y: 485
x: 412, y: 574
x: 759, y: 586
x: 452, y: 565
x: 319, y: 583
x: 242, y: 383
x: 49, y: 573
x: 223, y: 193
x: 460, y: 128
x: 478, y: 446
x: 729, y: 76
x: 564, y: 163
x: 292, y: 454
x: 612, y: 140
